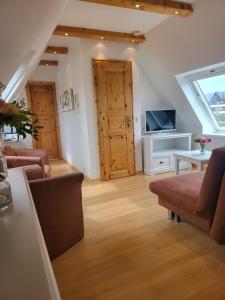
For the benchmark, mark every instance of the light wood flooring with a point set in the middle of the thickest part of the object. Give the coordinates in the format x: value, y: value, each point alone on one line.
x: 131, y: 251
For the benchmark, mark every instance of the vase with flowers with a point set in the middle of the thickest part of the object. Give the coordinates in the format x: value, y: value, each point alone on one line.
x: 203, y: 141
x: 17, y: 116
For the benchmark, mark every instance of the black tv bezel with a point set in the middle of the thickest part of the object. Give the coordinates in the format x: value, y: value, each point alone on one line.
x: 164, y: 130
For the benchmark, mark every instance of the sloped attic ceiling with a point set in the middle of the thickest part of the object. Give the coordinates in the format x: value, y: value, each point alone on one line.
x: 25, y: 28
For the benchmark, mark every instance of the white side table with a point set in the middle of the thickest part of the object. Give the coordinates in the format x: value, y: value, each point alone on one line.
x: 193, y: 157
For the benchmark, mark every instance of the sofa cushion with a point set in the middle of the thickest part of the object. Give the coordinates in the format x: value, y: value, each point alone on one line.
x: 182, y: 191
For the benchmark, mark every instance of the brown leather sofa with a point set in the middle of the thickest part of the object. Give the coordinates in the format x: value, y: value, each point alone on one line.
x: 26, y: 158
x: 58, y: 202
x: 198, y: 197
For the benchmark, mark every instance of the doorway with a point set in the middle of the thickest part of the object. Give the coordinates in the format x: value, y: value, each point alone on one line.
x: 42, y: 101
x: 114, y: 97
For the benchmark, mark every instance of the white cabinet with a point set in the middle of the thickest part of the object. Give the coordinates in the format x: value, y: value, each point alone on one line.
x: 158, y: 150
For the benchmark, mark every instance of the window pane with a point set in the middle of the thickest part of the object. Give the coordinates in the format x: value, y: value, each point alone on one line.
x: 213, y: 89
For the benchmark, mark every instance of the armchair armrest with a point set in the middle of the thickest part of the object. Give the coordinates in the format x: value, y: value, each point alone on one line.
x: 21, y: 161
x: 34, y: 152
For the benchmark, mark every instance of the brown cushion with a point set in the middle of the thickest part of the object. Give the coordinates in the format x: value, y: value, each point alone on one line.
x: 33, y: 172
x: 9, y: 151
x: 182, y: 191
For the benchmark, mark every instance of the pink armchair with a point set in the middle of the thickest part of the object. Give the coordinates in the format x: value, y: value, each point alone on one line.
x: 199, y: 197
x: 58, y: 202
x: 27, y: 157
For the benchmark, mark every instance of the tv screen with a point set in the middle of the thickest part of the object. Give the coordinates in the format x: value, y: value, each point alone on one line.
x: 160, y: 120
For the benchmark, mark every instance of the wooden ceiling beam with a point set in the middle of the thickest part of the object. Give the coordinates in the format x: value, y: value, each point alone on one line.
x: 45, y: 62
x: 98, y: 34
x: 168, y: 7
x: 56, y: 50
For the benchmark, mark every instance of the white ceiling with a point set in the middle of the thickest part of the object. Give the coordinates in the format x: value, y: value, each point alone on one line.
x: 96, y: 16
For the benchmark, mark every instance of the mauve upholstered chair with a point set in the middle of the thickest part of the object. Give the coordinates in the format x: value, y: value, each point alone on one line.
x: 58, y: 202
x: 24, y: 157
x: 198, y: 197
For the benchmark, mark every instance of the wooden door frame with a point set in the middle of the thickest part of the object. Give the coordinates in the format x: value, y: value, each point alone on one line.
x: 94, y: 72
x: 56, y: 115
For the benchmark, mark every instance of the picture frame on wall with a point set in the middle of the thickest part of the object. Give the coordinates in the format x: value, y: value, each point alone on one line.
x: 68, y: 101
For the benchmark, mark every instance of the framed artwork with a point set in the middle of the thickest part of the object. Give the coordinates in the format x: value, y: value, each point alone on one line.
x: 67, y: 100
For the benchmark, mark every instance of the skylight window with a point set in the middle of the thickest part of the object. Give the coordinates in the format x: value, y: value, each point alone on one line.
x: 211, y: 91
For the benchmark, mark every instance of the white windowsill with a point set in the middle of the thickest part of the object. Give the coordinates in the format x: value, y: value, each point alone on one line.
x: 218, y: 134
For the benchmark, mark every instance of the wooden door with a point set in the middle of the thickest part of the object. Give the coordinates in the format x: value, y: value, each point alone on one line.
x: 113, y: 86
x: 43, y: 103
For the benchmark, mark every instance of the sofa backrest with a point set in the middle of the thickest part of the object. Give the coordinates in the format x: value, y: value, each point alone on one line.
x: 210, y: 189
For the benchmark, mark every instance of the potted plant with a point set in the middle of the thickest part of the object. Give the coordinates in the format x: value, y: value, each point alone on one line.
x: 203, y: 141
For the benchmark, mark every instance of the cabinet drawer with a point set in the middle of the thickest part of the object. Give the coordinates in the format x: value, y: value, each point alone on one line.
x: 161, y: 162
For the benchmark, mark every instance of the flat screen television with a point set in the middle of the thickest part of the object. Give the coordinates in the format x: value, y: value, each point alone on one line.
x: 160, y: 120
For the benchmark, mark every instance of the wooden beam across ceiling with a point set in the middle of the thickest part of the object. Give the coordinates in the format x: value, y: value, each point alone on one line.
x: 56, y: 50
x: 45, y: 62
x: 98, y: 34
x: 168, y: 7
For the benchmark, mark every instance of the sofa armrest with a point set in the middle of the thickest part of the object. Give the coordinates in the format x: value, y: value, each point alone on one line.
x: 34, y: 152
x: 21, y: 161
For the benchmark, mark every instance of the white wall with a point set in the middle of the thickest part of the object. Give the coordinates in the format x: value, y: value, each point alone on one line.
x: 182, y: 44
x: 79, y: 131
x: 73, y: 125
x: 44, y: 73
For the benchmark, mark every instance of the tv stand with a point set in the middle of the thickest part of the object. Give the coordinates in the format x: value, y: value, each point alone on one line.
x: 159, y: 149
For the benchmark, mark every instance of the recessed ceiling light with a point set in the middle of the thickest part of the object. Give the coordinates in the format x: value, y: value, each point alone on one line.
x: 102, y: 37
x: 55, y: 52
x: 46, y: 64
x: 176, y: 12
x: 66, y: 33
x: 133, y: 41
x: 137, y: 5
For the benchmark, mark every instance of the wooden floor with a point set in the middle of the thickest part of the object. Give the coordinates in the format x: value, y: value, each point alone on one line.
x: 131, y: 251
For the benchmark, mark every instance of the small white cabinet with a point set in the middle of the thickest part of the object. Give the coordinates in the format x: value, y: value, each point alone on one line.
x: 159, y: 149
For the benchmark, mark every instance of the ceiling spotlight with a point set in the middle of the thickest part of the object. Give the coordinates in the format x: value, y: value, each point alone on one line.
x: 176, y: 12
x: 55, y: 52
x: 133, y: 41
x: 136, y: 32
x: 66, y: 33
x: 137, y: 5
x: 102, y: 37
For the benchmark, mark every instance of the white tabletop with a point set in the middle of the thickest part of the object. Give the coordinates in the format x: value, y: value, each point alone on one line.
x: 195, y: 155
x: 25, y: 268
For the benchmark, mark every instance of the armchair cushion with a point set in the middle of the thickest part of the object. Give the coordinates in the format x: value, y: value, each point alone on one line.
x: 182, y: 191
x: 33, y: 172
x: 34, y: 152
x: 9, y: 151
x: 20, y: 161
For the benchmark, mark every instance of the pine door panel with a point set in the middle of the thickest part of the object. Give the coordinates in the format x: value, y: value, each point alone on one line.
x: 113, y: 85
x: 43, y: 104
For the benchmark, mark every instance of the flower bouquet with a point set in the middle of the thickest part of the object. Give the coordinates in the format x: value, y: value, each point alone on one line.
x: 18, y: 116
x: 203, y: 141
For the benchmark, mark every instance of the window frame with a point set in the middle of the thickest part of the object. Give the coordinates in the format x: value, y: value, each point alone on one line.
x: 212, y: 72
